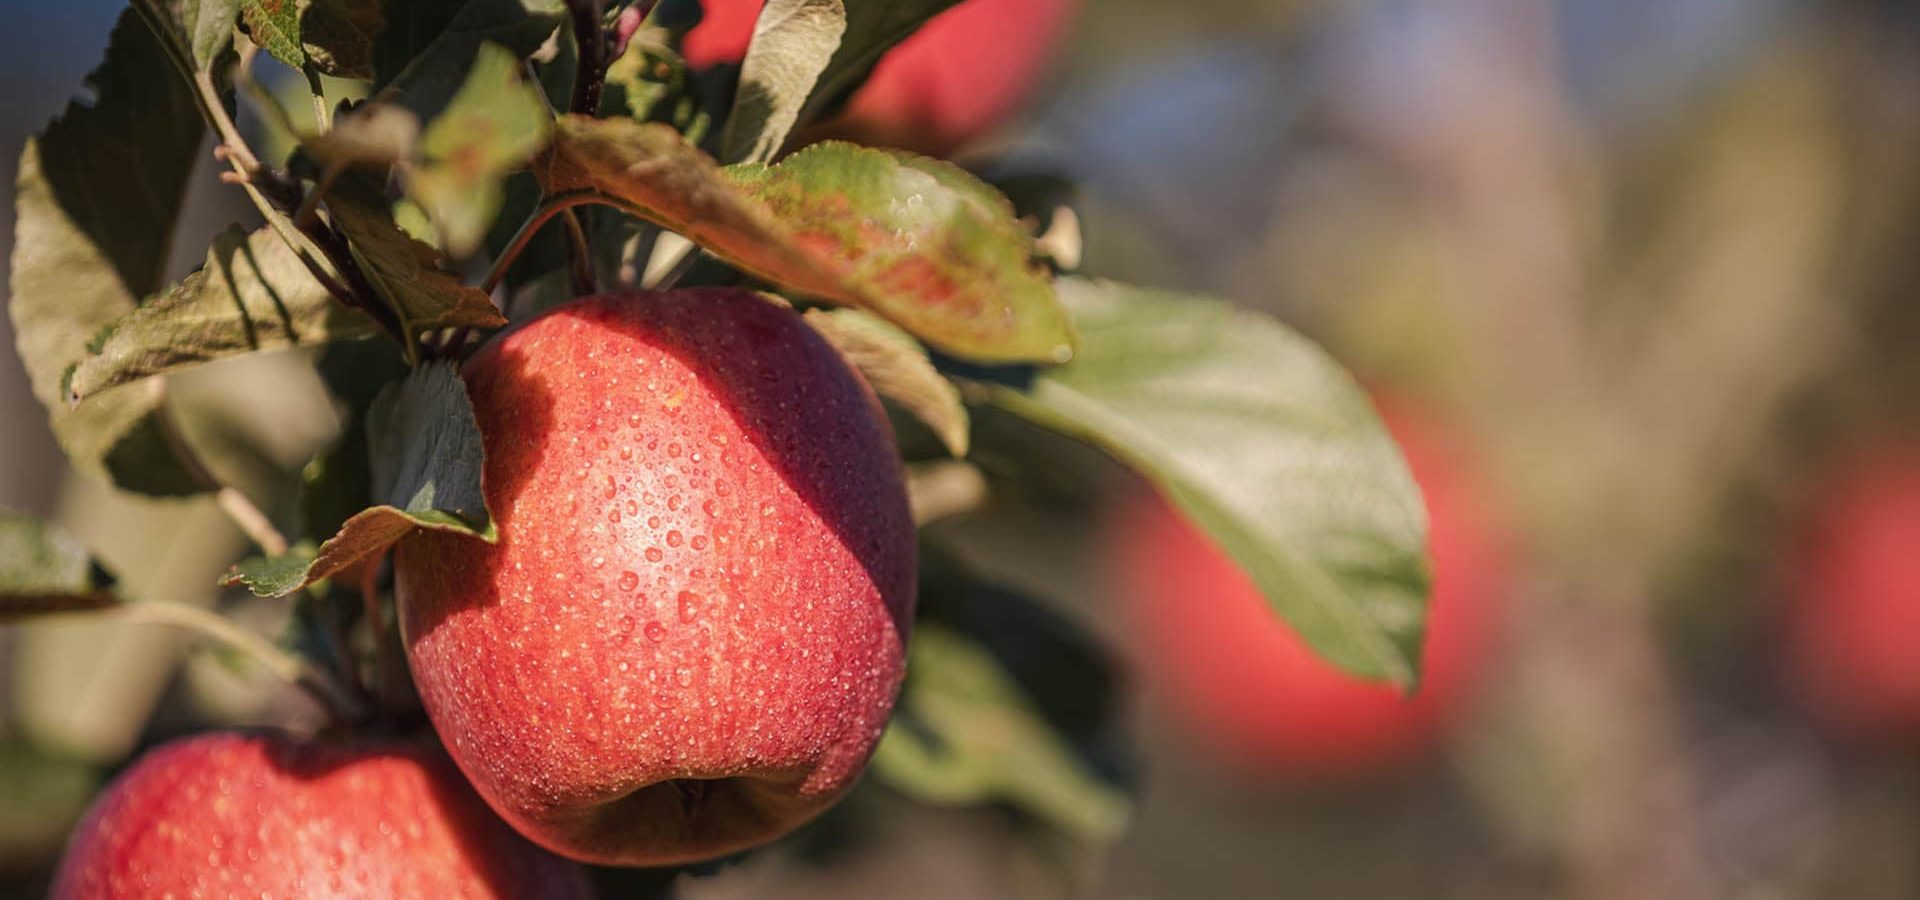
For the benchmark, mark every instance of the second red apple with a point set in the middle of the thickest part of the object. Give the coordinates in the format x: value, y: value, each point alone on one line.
x: 962, y: 74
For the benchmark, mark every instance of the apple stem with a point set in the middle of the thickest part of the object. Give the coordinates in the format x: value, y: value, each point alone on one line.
x: 549, y: 207
x: 287, y: 666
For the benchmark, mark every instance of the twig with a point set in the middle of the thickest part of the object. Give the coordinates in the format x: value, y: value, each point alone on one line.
x: 548, y: 208
x: 287, y: 666
x: 592, y: 42
x: 944, y: 489
x: 244, y: 513
x: 584, y: 279
x: 322, y: 117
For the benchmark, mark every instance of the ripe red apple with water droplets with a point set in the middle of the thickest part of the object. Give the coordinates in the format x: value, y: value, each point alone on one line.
x: 690, y: 634
x: 253, y: 815
x: 963, y: 73
x: 1853, y: 636
x: 1254, y: 695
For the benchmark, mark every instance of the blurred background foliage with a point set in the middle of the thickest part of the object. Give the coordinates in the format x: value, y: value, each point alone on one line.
x: 1651, y: 258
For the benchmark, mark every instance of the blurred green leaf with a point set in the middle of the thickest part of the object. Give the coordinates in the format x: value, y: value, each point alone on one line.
x: 1267, y: 444
x: 375, y: 135
x: 916, y: 241
x: 898, y: 369
x: 648, y: 83
x: 494, y: 125
x: 426, y: 458
x: 405, y: 271
x: 274, y: 26
x: 793, y: 42
x: 97, y: 197
x: 44, y: 796
x: 253, y: 294
x: 965, y: 734
x: 44, y: 570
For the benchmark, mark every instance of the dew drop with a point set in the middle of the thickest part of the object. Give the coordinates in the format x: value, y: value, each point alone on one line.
x: 655, y: 554
x: 674, y: 538
x: 629, y: 581
x: 689, y: 605
x: 656, y: 632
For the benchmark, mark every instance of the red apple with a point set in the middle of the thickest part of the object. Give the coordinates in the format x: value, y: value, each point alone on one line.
x: 1255, y: 696
x: 690, y: 634
x: 963, y: 73
x: 252, y: 815
x: 1854, y: 635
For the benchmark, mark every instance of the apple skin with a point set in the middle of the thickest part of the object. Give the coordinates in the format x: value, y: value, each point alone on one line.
x: 1853, y: 636
x: 257, y: 815
x: 963, y: 73
x: 1255, y: 697
x: 690, y: 634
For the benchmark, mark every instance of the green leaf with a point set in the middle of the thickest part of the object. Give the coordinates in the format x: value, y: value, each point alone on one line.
x: 46, y: 796
x: 405, y: 271
x: 274, y: 25
x: 426, y: 451
x: 339, y: 36
x: 873, y: 28
x: 494, y: 125
x: 201, y: 29
x: 44, y: 570
x: 277, y: 576
x: 98, y: 194
x: 916, y: 241
x: 426, y: 458
x: 899, y: 370
x: 253, y: 294
x: 793, y: 41
x: 1265, y: 443
x: 966, y: 734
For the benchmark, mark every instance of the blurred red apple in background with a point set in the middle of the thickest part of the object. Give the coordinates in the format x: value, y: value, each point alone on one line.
x: 690, y: 634
x: 1256, y: 696
x: 962, y: 74
x: 251, y: 815
x: 1854, y: 631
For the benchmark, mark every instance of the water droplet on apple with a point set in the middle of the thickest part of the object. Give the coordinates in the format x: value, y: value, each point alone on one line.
x: 629, y: 581
x: 655, y: 632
